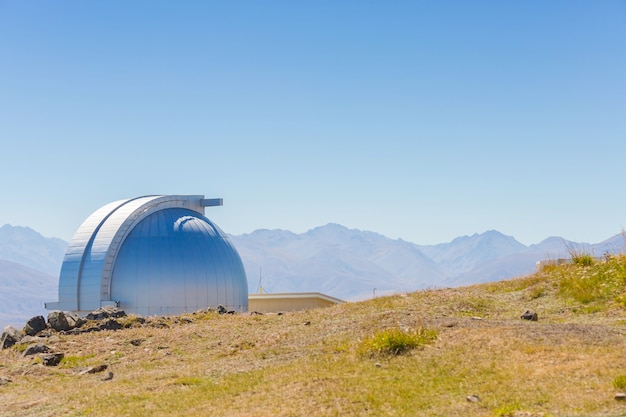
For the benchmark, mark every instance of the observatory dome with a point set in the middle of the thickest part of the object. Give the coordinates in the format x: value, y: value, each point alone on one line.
x: 153, y: 255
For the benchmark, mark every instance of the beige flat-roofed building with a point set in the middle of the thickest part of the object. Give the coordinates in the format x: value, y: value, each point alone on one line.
x: 276, y: 302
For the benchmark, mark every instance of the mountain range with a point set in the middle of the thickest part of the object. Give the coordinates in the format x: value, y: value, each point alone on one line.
x: 345, y: 263
x: 350, y: 264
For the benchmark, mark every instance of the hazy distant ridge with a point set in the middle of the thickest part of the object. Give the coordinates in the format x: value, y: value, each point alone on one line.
x: 25, y: 246
x: 349, y: 263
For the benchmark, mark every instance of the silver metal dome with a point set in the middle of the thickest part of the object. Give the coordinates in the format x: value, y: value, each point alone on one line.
x: 152, y: 255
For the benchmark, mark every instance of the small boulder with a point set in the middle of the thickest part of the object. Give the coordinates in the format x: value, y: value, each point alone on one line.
x: 52, y: 359
x: 529, y: 315
x: 136, y: 342
x: 620, y: 396
x: 62, y: 321
x: 107, y: 377
x: 10, y: 336
x: 35, y: 349
x: 472, y: 398
x: 34, y: 325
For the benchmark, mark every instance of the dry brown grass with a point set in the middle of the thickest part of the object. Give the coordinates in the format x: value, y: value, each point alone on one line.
x: 566, y: 364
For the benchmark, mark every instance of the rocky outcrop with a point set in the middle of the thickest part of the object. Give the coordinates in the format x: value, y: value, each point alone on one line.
x: 105, y: 313
x: 108, y: 324
x: 62, y: 321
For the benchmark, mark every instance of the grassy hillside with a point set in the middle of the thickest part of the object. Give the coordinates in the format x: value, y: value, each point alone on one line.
x: 425, y: 353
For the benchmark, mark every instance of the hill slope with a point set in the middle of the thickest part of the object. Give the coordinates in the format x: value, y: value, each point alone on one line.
x: 484, y: 361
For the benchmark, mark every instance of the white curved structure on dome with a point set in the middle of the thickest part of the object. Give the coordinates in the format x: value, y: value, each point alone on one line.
x: 151, y: 255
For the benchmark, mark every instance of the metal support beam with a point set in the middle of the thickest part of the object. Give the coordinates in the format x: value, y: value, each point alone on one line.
x: 212, y: 202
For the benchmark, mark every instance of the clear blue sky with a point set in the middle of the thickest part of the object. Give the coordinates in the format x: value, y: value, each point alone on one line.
x: 421, y: 120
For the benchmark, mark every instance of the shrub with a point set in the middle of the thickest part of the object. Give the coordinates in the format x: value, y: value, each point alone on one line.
x: 395, y: 341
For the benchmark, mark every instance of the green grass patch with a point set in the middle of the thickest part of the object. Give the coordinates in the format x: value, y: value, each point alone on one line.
x: 72, y: 361
x: 20, y: 347
x: 395, y: 342
x: 507, y: 410
x: 619, y: 382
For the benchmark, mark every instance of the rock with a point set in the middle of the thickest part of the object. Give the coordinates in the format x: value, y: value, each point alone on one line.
x: 620, y: 396
x: 35, y: 349
x: 62, y: 321
x: 32, y: 339
x: 98, y: 368
x: 94, y: 369
x: 4, y: 381
x: 107, y: 377
x: 52, y: 359
x: 105, y: 313
x: 35, y: 325
x: 307, y: 323
x: 136, y: 342
x: 10, y: 336
x: 529, y: 315
x: 110, y: 324
x: 203, y: 311
x: 473, y: 398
